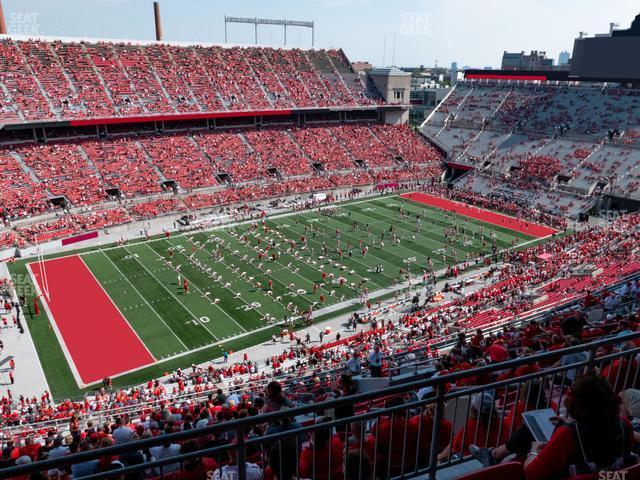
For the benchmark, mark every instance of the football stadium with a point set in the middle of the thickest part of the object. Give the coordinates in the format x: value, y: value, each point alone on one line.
x: 227, y: 260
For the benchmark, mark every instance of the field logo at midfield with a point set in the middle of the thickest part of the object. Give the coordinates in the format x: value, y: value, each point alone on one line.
x: 368, y: 209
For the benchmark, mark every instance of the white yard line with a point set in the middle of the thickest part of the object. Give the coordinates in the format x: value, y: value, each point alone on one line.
x: 284, y: 267
x: 425, y: 237
x: 144, y: 299
x: 352, y: 259
x: 201, y: 292
x: 281, y: 227
x: 228, y: 268
x: 196, y: 318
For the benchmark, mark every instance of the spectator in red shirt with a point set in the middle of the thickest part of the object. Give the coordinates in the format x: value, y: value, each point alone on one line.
x: 622, y: 371
x: 419, y: 435
x: 597, y: 437
x: 323, y: 454
x: 476, y: 343
x: 30, y: 448
x: 497, y: 352
x: 531, y: 397
x: 387, y: 441
x: 481, y: 428
x: 556, y: 343
x: 590, y: 300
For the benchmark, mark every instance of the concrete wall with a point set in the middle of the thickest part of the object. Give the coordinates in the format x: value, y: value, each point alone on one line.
x: 393, y: 84
x: 396, y: 117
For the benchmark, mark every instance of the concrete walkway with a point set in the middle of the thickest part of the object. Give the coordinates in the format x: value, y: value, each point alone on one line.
x: 28, y: 374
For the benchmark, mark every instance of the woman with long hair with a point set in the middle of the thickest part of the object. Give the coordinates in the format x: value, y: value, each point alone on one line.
x: 594, y: 439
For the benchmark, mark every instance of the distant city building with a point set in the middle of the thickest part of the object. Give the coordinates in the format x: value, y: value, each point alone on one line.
x: 453, y: 74
x: 563, y: 58
x: 361, y: 66
x: 520, y: 61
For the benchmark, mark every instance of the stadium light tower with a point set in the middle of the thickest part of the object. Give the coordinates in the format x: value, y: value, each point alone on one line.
x: 255, y: 21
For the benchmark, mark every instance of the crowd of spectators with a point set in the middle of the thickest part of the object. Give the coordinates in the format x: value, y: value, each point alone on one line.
x: 72, y: 224
x: 67, y: 80
x: 584, y: 110
x: 567, y: 140
x: 37, y: 179
x: 20, y: 195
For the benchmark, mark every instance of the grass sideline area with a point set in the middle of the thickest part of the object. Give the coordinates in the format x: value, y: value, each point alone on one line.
x: 142, y: 280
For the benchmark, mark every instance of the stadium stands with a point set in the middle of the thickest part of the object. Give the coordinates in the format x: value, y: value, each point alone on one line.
x: 39, y: 178
x: 20, y: 195
x: 556, y: 140
x: 66, y: 80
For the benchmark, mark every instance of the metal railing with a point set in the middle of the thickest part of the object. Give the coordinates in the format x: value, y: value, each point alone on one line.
x: 397, y: 446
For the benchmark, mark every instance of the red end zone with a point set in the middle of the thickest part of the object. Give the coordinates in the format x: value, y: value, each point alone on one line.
x: 498, y: 219
x: 97, y: 337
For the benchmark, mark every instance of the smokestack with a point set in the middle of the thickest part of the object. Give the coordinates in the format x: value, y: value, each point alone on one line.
x: 156, y: 13
x: 3, y: 26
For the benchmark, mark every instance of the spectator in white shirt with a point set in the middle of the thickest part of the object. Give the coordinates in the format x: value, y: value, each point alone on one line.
x: 122, y: 433
x: 375, y: 361
x: 230, y: 472
x: 354, y: 365
x: 166, y: 450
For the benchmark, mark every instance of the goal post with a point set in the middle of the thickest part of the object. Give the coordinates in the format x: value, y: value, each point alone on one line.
x: 43, y: 270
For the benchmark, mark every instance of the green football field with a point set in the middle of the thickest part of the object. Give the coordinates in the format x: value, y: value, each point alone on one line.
x: 236, y: 295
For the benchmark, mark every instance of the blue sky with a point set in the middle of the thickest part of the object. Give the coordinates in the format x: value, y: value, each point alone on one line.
x: 471, y: 32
